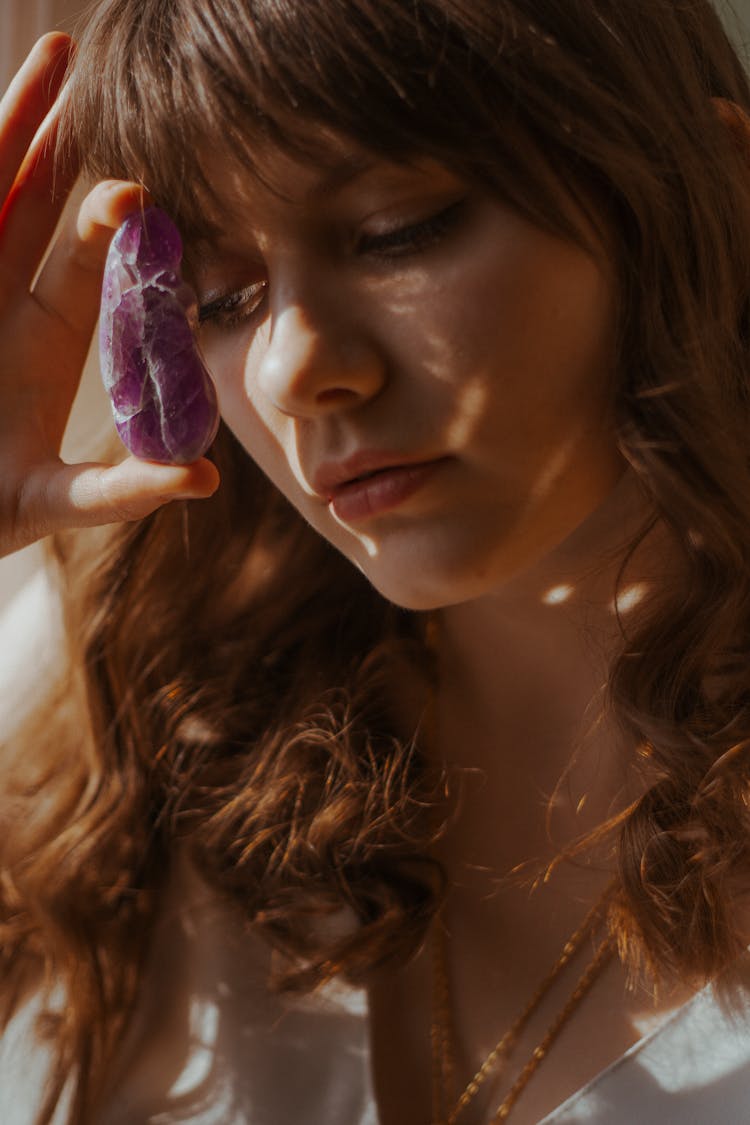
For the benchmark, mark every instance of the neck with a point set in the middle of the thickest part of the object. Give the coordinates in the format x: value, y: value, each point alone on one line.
x: 522, y: 687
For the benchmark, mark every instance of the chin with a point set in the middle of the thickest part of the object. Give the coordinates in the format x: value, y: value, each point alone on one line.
x: 459, y: 572
x: 433, y: 588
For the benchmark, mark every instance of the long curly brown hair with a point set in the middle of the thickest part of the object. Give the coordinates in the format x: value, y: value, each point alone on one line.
x: 228, y: 675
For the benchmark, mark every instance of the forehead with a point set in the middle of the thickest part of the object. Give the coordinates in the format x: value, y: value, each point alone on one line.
x: 302, y: 169
x: 272, y: 176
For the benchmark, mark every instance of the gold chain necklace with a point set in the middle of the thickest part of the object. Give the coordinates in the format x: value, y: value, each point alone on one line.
x: 442, y: 1054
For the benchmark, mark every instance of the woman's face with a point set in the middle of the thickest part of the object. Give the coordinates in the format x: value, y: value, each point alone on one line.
x: 425, y: 375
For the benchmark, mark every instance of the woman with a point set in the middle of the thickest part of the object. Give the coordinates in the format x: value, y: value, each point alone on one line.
x: 473, y: 289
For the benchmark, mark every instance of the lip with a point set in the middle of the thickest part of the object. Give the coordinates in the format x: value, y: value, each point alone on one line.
x: 371, y: 482
x: 331, y: 475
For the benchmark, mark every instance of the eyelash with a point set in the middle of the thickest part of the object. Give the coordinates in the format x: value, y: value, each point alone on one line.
x: 412, y: 238
x: 234, y: 308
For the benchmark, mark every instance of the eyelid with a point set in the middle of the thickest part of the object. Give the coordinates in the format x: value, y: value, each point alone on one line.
x: 408, y: 212
x: 432, y: 224
x: 219, y: 302
x: 400, y: 239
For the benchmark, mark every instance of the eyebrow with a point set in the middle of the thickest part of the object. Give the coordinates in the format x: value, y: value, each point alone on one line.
x: 338, y: 173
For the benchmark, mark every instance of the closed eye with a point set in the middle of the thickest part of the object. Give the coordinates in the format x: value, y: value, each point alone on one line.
x: 231, y: 309
x: 414, y: 237
x: 228, y: 310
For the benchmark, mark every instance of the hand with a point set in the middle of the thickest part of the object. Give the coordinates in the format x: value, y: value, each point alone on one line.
x: 46, y: 324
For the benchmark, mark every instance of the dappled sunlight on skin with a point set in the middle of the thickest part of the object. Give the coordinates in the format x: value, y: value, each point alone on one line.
x: 295, y: 465
x: 625, y: 602
x: 365, y: 541
x: 554, y: 467
x: 629, y: 598
x: 556, y: 595
x: 471, y: 402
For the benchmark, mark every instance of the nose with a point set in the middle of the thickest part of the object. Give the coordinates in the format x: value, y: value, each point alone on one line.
x: 317, y: 362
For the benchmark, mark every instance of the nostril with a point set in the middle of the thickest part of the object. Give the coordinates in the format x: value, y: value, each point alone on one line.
x: 336, y: 396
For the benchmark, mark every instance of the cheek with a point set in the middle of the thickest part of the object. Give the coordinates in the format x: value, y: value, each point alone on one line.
x: 543, y: 307
x: 263, y: 433
x: 536, y: 325
x: 259, y: 430
x: 270, y: 439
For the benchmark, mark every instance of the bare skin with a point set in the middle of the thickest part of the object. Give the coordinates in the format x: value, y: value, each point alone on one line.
x: 522, y: 675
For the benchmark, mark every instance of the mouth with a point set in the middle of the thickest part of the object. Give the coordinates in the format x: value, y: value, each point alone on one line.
x: 377, y: 490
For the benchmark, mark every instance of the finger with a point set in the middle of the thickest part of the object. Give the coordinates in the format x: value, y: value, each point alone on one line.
x: 57, y: 496
x: 27, y: 101
x: 33, y: 205
x: 69, y: 285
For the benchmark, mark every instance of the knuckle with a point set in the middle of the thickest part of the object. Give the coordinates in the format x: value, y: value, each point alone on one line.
x: 22, y: 520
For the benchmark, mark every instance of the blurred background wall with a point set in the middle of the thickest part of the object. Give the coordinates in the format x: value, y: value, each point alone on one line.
x: 21, y: 22
x: 736, y: 15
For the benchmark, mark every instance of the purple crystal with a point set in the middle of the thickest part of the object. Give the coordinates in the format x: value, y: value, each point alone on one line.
x: 163, y: 400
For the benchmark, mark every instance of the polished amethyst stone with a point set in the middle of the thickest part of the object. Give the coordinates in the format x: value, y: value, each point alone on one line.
x: 163, y: 400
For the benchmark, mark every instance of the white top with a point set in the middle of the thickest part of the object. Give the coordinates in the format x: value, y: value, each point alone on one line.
x: 211, y: 1046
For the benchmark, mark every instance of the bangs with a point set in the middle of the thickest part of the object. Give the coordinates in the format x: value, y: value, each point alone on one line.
x: 164, y: 91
